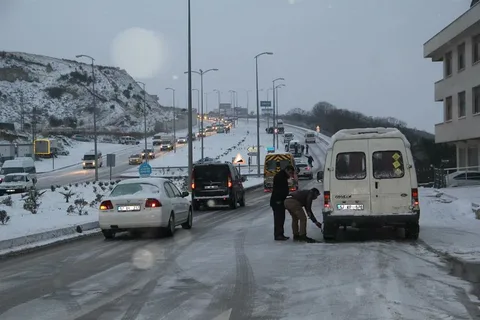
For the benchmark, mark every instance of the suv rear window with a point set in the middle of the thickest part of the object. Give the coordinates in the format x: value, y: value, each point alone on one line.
x: 214, y: 173
x: 351, y: 166
x: 388, y: 164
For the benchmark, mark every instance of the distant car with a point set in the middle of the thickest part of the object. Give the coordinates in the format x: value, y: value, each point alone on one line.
x: 136, y: 158
x: 462, y: 179
x: 151, y: 153
x: 218, y: 183
x: 144, y: 203
x: 17, y: 183
x: 201, y: 134
x: 166, y: 147
x: 304, y: 170
x: 182, y: 140
x: 194, y: 137
x: 221, y: 129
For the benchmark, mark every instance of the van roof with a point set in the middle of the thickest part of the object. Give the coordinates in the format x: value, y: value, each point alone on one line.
x: 368, y: 133
x: 269, y: 155
x: 18, y: 162
x: 92, y: 152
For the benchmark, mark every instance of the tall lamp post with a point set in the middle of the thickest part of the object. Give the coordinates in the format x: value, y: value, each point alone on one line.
x: 201, y: 73
x: 190, y: 109
x: 144, y: 118
x: 276, y: 103
x: 274, y: 123
x: 219, y: 95
x: 248, y: 103
x: 233, y: 93
x: 174, y: 120
x: 198, y: 99
x: 258, y: 108
x: 95, y: 137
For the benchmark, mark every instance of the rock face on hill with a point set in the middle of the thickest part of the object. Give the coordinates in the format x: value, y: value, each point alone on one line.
x: 58, y: 93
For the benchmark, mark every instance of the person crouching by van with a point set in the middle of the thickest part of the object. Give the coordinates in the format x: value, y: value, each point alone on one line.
x: 280, y: 192
x: 295, y: 204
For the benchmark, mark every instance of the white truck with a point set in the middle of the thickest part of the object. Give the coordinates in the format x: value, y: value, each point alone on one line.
x: 18, y: 165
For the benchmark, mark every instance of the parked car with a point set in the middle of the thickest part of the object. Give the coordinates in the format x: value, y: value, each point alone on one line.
x: 462, y: 178
x: 217, y: 183
x: 304, y: 170
x: 135, y: 158
x: 144, y: 203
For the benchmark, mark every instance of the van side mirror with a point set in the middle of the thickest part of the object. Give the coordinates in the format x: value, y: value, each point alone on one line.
x: 185, y: 194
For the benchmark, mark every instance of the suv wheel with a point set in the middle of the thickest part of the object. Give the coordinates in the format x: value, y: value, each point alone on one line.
x: 233, y: 202
x: 242, y: 201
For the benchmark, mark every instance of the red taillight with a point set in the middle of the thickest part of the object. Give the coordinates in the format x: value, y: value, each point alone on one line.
x: 326, y: 199
x: 106, y: 205
x: 415, y: 196
x: 193, y: 180
x: 152, y: 203
x: 307, y: 168
x: 229, y: 183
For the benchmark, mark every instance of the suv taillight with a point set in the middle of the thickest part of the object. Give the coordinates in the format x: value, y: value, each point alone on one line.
x: 229, y: 182
x: 326, y: 199
x: 193, y: 180
x: 106, y: 205
x: 152, y: 203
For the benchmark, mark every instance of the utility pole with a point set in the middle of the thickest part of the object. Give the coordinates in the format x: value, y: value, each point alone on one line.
x: 174, y: 120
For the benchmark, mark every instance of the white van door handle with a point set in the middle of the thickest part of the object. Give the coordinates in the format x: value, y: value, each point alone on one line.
x: 376, y: 184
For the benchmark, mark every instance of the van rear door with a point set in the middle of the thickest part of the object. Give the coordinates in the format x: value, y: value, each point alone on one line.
x: 350, y: 180
x: 391, y: 181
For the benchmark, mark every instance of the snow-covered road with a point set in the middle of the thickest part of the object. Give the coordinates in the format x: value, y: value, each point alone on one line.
x: 229, y: 267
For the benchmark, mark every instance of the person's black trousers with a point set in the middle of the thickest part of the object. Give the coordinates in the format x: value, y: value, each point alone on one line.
x: 278, y: 220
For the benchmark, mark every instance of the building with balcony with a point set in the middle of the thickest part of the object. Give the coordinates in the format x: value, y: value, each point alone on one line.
x: 457, y: 46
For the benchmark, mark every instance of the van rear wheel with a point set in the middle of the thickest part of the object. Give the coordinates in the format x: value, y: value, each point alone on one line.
x: 412, y: 231
x: 329, y: 231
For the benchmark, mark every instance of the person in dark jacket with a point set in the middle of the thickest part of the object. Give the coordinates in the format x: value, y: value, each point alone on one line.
x: 295, y: 204
x: 279, y: 194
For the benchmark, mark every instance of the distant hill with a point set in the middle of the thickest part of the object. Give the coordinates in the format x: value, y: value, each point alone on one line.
x: 60, y: 90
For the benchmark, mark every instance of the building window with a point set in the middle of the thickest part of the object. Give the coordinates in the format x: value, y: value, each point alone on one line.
x: 448, y: 108
x: 476, y: 48
x: 476, y: 100
x: 461, y: 104
x: 448, y: 64
x: 472, y: 158
x: 461, y: 57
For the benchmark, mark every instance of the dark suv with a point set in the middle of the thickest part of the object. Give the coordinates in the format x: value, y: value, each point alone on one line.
x: 218, y: 182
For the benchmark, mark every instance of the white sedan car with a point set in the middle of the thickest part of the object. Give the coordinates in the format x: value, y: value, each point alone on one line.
x: 143, y: 203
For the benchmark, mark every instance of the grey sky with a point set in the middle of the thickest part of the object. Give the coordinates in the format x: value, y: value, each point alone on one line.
x: 364, y: 55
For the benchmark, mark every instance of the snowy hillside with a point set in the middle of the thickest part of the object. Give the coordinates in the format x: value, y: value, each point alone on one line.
x: 60, y: 89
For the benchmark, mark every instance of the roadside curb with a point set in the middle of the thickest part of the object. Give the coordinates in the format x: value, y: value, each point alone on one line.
x: 461, y: 268
x: 11, y: 244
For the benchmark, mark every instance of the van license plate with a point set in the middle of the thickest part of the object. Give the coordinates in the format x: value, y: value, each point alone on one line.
x: 128, y: 208
x: 211, y: 187
x: 350, y: 206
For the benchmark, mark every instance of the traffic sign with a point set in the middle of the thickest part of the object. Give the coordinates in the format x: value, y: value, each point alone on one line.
x: 238, y: 159
x: 265, y: 103
x: 144, y: 170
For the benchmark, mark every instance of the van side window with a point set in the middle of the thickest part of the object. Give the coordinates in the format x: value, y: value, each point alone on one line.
x: 388, y: 164
x: 351, y: 166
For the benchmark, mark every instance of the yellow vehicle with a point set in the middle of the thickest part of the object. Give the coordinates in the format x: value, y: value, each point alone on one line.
x: 274, y: 162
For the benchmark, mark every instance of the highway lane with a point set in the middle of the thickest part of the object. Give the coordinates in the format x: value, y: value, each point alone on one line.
x: 229, y: 267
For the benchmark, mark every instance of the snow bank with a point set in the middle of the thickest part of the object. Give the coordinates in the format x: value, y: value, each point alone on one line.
x: 448, y: 224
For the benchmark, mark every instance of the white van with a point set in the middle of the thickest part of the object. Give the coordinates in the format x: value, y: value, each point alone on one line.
x: 310, y: 137
x: 17, y: 182
x: 369, y: 179
x: 89, y: 159
x: 19, y: 165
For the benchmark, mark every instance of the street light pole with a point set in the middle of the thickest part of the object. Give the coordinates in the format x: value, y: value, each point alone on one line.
x: 145, y: 118
x: 274, y: 124
x: 190, y: 109
x: 95, y: 138
x: 276, y: 103
x: 201, y: 73
x: 219, y: 94
x: 258, y: 108
x: 174, y: 120
x: 248, y: 104
x: 233, y: 102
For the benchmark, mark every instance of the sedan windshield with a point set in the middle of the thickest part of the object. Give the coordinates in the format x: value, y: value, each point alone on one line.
x: 15, y: 178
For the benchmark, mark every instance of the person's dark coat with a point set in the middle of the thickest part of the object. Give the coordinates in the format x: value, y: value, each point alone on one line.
x: 280, y: 189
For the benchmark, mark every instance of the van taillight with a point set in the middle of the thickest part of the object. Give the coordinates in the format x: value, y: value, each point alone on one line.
x: 326, y: 199
x: 229, y: 182
x: 193, y: 180
x: 152, y: 203
x: 415, y: 196
x: 106, y: 205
